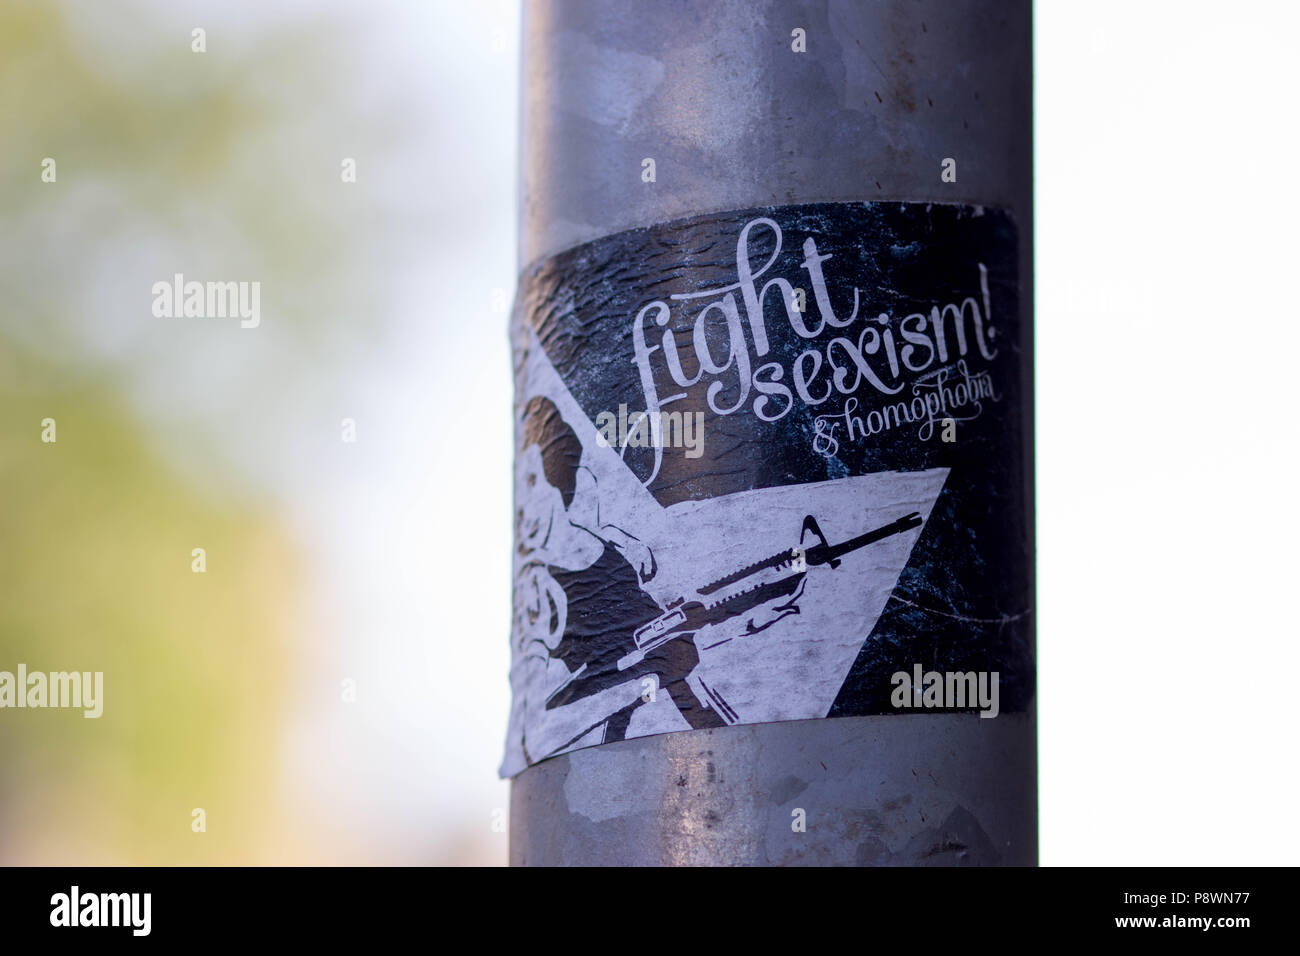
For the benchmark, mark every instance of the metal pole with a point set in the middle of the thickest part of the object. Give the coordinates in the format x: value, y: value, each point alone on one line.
x: 735, y: 118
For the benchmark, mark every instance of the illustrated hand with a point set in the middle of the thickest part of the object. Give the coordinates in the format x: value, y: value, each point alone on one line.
x: 765, y: 615
x: 642, y: 558
x: 758, y: 618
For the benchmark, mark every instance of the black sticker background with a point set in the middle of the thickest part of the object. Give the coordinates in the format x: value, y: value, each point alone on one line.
x: 964, y: 601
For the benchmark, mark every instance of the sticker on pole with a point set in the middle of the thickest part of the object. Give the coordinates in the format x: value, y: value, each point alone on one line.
x: 770, y: 465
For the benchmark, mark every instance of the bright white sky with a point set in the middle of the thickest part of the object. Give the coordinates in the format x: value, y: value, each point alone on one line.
x: 414, y: 544
x: 1167, y: 342
x: 408, y: 539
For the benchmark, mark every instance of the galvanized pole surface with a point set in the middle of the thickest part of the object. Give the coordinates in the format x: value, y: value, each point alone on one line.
x: 885, y: 92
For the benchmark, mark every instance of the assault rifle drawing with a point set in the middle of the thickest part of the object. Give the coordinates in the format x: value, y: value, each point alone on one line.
x: 751, y: 586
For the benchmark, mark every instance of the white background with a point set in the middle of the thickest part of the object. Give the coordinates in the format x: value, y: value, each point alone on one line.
x: 1167, y: 345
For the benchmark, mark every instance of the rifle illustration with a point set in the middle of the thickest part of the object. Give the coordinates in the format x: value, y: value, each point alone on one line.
x: 742, y: 591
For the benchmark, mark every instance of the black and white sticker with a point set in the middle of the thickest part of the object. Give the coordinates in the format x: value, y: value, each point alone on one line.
x: 766, y: 461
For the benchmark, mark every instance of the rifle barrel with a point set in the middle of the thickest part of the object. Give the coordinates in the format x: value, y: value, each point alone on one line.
x: 905, y: 523
x: 821, y: 554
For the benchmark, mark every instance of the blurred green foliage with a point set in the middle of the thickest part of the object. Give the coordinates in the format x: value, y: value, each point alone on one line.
x: 218, y: 159
x: 95, y: 575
